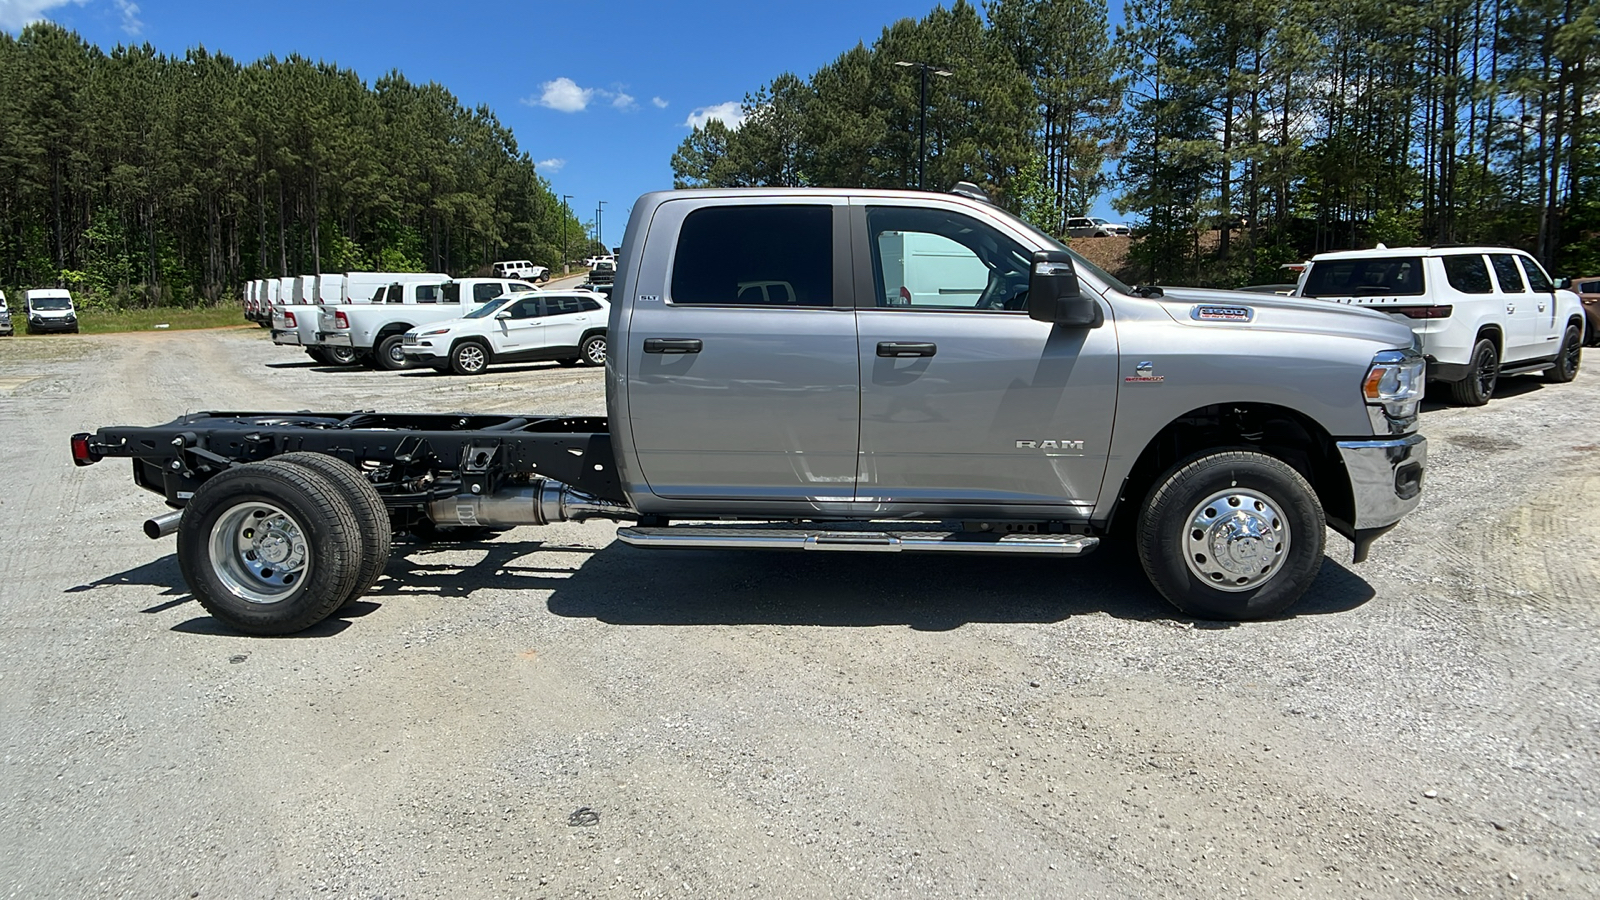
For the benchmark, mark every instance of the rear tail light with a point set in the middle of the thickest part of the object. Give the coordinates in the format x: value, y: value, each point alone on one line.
x: 288, y: 319
x: 1419, y: 312
x: 82, y: 453
x: 340, y: 320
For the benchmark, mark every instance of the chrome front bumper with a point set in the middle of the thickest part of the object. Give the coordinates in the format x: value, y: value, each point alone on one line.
x: 1385, y: 482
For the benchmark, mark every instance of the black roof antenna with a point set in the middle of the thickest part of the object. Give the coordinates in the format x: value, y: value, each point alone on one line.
x: 971, y: 192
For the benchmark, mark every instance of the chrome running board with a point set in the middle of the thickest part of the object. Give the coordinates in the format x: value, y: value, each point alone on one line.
x: 887, y: 539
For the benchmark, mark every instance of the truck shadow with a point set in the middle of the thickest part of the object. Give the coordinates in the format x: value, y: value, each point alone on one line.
x: 623, y: 586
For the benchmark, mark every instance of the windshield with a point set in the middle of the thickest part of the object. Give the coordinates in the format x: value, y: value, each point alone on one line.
x: 1078, y: 261
x: 488, y: 309
x: 51, y: 303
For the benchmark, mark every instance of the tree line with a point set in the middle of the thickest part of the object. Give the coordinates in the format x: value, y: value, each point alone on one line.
x: 1244, y: 134
x: 146, y: 179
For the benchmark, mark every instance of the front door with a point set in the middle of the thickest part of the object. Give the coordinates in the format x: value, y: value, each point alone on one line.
x: 518, y: 326
x: 1524, y: 337
x: 741, y: 353
x: 966, y: 402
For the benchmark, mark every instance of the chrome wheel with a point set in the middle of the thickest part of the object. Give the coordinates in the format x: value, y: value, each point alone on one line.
x: 470, y: 358
x: 1236, y: 540
x: 259, y: 552
x: 342, y: 356
x: 594, y: 351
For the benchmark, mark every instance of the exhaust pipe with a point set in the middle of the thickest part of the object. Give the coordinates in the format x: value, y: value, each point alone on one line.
x: 540, y: 503
x: 162, y: 525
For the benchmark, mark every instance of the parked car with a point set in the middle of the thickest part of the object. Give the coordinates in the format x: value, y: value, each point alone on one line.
x: 567, y: 327
x: 5, y: 316
x: 1588, y: 291
x: 521, y: 268
x: 604, y: 272
x: 50, y: 309
x: 375, y: 330
x: 1478, y: 312
x: 1245, y: 425
x: 1089, y: 226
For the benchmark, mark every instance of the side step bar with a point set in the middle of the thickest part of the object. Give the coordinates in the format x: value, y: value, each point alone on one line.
x: 888, y: 540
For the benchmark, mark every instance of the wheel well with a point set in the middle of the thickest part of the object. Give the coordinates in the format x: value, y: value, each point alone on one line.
x: 471, y: 339
x: 591, y: 333
x: 1492, y: 332
x: 388, y: 331
x: 1276, y: 431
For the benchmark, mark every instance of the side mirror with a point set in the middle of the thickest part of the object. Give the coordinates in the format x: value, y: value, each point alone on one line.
x: 1564, y: 284
x: 503, y: 314
x: 1055, y: 296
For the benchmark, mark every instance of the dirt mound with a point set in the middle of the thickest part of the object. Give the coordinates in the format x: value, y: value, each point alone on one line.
x: 1109, y: 253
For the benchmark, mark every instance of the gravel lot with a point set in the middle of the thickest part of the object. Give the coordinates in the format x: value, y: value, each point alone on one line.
x: 1424, y: 725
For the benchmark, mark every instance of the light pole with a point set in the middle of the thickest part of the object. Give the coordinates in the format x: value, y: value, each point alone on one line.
x: 566, y: 251
x: 599, y: 226
x: 922, y: 111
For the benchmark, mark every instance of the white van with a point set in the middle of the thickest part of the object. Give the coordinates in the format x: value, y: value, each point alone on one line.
x: 521, y: 268
x: 50, y: 309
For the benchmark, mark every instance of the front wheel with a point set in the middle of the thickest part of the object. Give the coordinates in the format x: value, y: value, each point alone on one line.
x: 469, y: 358
x: 270, y: 547
x: 593, y: 350
x: 1233, y: 535
x: 1483, y: 372
x: 1567, y: 361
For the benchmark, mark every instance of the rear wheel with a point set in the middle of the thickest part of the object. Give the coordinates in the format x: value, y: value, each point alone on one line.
x: 376, y: 536
x: 318, y: 354
x: 593, y: 350
x: 1483, y: 372
x: 390, y: 353
x: 1568, y: 360
x: 270, y: 547
x: 469, y: 358
x: 1231, y: 535
x: 341, y: 356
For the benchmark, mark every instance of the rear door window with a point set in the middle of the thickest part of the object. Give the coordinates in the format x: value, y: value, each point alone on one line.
x: 561, y: 306
x: 724, y: 250
x: 1506, y: 270
x: 1386, y: 276
x: 1468, y: 274
x: 397, y: 293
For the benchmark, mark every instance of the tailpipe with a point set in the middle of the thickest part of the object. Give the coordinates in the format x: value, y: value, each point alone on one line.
x: 163, y: 525
x: 541, y: 503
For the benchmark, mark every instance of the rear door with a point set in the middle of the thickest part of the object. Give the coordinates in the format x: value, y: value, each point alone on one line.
x: 732, y: 394
x: 567, y: 318
x: 966, y: 402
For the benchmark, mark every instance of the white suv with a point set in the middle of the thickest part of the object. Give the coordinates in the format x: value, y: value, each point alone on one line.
x: 1479, y: 312
x: 521, y: 268
x: 567, y: 327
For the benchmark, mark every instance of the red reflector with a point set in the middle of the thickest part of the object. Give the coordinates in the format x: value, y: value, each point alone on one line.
x: 340, y: 320
x: 81, y: 454
x: 288, y: 319
x: 1419, y: 312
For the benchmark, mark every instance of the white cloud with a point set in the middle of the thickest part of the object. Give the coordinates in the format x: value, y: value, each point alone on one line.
x: 130, y: 17
x: 622, y: 101
x: 659, y: 103
x: 14, y: 14
x: 563, y: 95
x: 730, y: 114
x: 550, y: 165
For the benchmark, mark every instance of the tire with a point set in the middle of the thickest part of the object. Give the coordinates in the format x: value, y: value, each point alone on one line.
x: 318, y: 354
x: 568, y: 362
x: 341, y: 356
x: 593, y: 350
x: 1568, y: 360
x: 543, y: 278
x: 1483, y: 371
x: 314, y: 532
x: 1260, y: 507
x: 377, y: 538
x: 469, y: 358
x: 390, y: 355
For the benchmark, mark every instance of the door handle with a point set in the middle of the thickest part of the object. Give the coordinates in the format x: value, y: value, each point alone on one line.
x: 898, y: 349
x: 1541, y: 307
x: 1511, y: 307
x: 672, y: 345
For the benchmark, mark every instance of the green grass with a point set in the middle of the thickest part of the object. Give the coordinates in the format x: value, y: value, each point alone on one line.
x: 93, y: 321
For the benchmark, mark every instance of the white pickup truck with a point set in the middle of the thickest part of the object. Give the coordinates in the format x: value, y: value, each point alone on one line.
x: 296, y: 324
x: 377, y: 331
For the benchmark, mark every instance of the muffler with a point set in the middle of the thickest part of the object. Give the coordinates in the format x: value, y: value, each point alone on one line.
x: 540, y: 503
x: 162, y: 525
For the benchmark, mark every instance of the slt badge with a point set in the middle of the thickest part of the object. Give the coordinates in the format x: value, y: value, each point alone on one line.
x: 1145, y: 372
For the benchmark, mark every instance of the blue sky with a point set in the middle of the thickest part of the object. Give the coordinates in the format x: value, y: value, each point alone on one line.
x: 600, y: 94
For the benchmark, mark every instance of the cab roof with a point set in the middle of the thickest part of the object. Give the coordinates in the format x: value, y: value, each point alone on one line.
x: 1413, y: 251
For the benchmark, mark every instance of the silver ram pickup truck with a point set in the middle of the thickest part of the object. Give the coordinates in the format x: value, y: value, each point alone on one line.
x: 848, y: 370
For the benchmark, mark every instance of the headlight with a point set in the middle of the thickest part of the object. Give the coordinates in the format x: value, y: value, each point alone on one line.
x: 1393, y: 390
x: 433, y: 332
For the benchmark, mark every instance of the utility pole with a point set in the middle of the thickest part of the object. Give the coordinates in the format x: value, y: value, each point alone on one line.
x: 922, y: 111
x: 599, y: 229
x: 566, y: 251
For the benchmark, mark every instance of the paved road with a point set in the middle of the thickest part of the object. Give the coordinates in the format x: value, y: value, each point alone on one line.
x: 1424, y: 725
